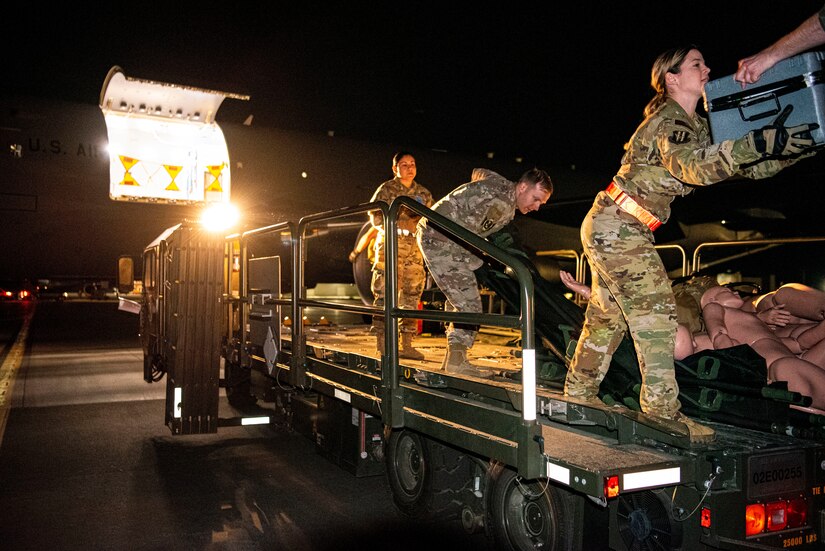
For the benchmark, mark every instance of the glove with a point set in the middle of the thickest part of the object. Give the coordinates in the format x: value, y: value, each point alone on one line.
x: 352, y: 256
x: 775, y: 140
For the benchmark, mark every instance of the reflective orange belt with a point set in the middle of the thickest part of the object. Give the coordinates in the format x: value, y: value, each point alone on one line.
x: 630, y: 206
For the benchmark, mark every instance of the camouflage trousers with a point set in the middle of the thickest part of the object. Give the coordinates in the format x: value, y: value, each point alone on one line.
x: 411, y: 278
x: 630, y: 292
x: 451, y: 267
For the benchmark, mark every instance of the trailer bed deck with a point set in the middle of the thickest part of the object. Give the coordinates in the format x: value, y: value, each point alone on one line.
x: 491, y: 350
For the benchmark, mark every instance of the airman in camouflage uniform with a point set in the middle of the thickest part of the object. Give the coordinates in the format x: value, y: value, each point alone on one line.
x: 411, y: 274
x: 669, y: 152
x: 484, y: 205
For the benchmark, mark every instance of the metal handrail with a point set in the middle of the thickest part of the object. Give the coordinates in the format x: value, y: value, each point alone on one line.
x: 392, y: 311
x: 769, y: 243
x: 298, y: 356
x: 522, y: 274
x: 579, y: 272
x: 680, y: 249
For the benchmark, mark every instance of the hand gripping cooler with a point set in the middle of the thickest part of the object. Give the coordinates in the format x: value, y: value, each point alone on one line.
x: 734, y: 111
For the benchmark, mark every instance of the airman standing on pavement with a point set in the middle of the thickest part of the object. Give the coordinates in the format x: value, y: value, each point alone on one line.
x: 484, y: 205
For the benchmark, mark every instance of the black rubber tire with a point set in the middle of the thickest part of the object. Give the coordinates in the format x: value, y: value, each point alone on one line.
x: 645, y: 521
x: 525, y: 515
x: 426, y: 478
x: 153, y: 368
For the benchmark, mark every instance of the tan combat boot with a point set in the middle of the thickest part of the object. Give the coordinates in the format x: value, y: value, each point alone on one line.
x: 456, y: 363
x: 379, y: 342
x: 378, y: 329
x: 407, y: 350
x: 699, y: 434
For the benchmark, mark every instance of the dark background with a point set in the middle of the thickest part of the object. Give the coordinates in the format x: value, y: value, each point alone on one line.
x: 556, y: 82
x: 560, y: 86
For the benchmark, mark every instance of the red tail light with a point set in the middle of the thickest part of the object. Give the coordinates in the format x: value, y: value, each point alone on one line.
x: 797, y: 514
x: 611, y: 486
x: 754, y: 519
x: 775, y: 513
x: 775, y: 516
x: 705, y: 517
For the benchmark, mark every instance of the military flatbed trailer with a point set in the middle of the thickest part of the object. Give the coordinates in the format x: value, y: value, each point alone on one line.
x: 583, y: 447
x: 507, y: 455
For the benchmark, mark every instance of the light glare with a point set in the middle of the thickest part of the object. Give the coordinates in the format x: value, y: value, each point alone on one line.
x: 220, y: 217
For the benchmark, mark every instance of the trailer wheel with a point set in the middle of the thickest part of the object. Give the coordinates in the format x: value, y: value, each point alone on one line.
x: 524, y: 514
x: 645, y: 521
x: 427, y: 479
x: 153, y: 368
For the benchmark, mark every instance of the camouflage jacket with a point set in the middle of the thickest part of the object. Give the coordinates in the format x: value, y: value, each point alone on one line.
x: 391, y: 189
x: 483, y: 205
x: 672, y: 151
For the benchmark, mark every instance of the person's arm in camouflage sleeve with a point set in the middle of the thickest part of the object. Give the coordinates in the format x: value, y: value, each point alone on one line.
x: 376, y: 216
x: 766, y: 169
x: 683, y: 154
x: 774, y: 145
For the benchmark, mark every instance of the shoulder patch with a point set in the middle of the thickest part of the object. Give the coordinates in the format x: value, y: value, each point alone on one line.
x: 679, y: 137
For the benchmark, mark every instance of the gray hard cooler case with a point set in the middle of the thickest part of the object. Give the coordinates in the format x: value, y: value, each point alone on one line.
x: 798, y: 81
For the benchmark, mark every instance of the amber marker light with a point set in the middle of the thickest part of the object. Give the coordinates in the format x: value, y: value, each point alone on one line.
x: 754, y: 519
x: 611, y: 486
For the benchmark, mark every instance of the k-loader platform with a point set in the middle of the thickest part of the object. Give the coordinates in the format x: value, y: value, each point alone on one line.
x: 510, y: 454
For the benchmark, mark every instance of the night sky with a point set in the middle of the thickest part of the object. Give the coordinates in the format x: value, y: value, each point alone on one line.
x: 551, y: 82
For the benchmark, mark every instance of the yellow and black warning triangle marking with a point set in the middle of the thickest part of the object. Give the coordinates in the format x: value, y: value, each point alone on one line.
x: 128, y: 163
x: 173, y: 172
x: 215, y: 171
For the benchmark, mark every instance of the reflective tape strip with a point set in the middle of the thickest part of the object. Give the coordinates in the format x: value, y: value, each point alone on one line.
x: 558, y: 473
x: 631, y: 207
x: 528, y: 381
x: 178, y: 397
x: 341, y: 395
x: 255, y: 421
x: 649, y: 479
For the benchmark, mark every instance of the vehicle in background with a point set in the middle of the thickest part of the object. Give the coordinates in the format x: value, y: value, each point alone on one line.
x: 15, y: 290
x: 74, y: 289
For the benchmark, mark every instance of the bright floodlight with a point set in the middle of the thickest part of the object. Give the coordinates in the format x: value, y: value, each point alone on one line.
x: 220, y: 217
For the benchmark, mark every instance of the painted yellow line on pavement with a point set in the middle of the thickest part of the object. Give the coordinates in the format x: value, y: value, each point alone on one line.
x: 9, y: 368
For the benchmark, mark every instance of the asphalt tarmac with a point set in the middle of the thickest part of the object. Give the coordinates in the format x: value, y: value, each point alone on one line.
x: 86, y: 461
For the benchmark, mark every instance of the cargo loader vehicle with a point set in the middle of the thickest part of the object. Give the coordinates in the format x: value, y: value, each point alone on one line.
x: 509, y: 455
